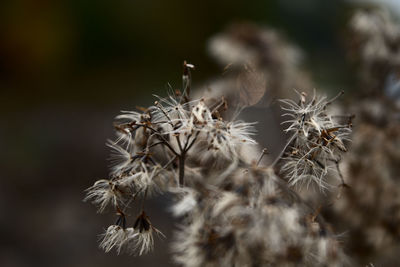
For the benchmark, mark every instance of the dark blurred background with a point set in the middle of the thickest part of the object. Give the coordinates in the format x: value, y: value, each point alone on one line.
x: 66, y: 70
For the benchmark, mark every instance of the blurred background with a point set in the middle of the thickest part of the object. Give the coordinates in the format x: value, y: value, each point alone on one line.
x: 66, y: 70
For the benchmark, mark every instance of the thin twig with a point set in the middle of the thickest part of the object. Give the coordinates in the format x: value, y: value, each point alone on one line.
x: 144, y: 200
x: 263, y: 152
x: 223, y: 101
x: 182, y: 158
x: 335, y: 98
x: 343, y: 184
x: 193, y: 141
x: 283, y: 151
x: 169, y: 162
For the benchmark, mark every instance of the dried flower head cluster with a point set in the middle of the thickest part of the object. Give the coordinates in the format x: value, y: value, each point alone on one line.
x: 317, y: 140
x: 375, y: 46
x: 251, y: 218
x: 136, y: 239
x: 153, y: 150
x: 233, y: 211
x: 369, y: 210
x: 378, y: 36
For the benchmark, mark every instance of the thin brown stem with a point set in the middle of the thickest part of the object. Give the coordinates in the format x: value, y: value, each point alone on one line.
x: 335, y: 98
x: 186, y: 81
x: 263, y: 152
x: 192, y: 143
x: 143, y: 200
x: 223, y: 102
x: 178, y: 140
x: 158, y: 105
x: 343, y: 184
x: 169, y: 162
x: 283, y: 151
x: 182, y: 158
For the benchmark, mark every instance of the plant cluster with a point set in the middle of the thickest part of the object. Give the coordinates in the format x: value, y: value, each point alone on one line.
x: 233, y: 210
x: 236, y: 204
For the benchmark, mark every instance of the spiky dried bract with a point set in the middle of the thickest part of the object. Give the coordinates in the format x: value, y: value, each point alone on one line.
x: 135, y: 240
x: 143, y: 241
x: 317, y: 141
x: 104, y: 193
x: 116, y: 237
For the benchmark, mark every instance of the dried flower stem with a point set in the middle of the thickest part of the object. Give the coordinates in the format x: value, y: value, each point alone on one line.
x: 182, y: 158
x: 279, y: 157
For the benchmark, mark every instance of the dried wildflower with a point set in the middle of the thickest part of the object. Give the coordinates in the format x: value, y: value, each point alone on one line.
x: 137, y: 239
x: 120, y: 158
x: 233, y: 212
x: 378, y: 35
x: 115, y: 237
x: 375, y: 48
x: 224, y: 137
x: 368, y: 209
x: 316, y: 143
x: 104, y: 193
x: 143, y: 240
x: 253, y: 219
